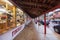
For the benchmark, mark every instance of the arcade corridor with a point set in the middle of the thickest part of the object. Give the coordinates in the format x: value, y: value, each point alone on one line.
x: 32, y: 32
x: 29, y: 19
x: 29, y: 33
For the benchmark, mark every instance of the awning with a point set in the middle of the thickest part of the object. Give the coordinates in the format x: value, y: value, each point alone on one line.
x: 35, y: 8
x: 55, y: 16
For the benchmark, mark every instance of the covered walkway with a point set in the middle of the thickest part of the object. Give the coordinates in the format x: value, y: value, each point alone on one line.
x: 15, y: 18
x: 32, y: 32
x: 29, y: 33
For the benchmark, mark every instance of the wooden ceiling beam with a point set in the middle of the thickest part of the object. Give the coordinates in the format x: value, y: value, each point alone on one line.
x: 34, y: 4
x: 40, y: 1
x: 36, y: 7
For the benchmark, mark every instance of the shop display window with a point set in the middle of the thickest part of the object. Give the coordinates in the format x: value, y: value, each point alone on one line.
x: 6, y: 19
x: 19, y: 17
x: 10, y: 21
x: 10, y: 17
x: 3, y: 19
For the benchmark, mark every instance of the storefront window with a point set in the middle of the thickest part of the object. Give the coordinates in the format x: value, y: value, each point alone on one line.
x: 10, y: 21
x: 19, y: 17
x: 10, y: 17
x: 3, y: 19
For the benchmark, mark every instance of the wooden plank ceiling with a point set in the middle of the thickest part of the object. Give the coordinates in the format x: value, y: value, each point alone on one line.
x: 36, y: 8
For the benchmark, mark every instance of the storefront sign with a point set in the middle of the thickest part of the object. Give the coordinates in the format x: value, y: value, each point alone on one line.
x: 15, y: 31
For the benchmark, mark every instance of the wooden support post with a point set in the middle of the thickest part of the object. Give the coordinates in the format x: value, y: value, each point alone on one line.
x: 44, y: 23
x: 6, y: 17
x: 14, y: 15
x: 6, y: 6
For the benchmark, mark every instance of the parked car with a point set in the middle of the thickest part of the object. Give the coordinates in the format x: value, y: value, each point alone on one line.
x: 57, y: 29
x: 42, y: 22
x: 56, y: 26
